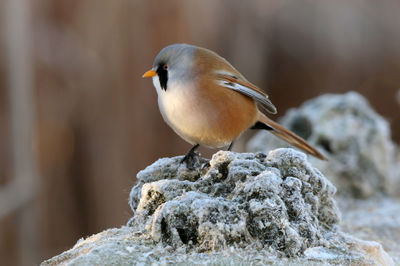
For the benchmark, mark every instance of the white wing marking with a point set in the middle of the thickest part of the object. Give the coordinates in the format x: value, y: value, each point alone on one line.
x: 262, y: 99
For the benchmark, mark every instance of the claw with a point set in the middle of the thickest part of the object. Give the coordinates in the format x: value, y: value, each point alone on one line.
x: 205, y: 165
x: 190, y: 156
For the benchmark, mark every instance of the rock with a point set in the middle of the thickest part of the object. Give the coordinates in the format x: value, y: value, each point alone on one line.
x: 375, y: 219
x: 279, y: 201
x: 170, y: 170
x: 356, y: 140
x: 126, y: 246
x: 237, y: 209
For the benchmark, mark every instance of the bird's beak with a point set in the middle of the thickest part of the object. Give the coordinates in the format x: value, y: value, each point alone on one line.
x: 150, y: 73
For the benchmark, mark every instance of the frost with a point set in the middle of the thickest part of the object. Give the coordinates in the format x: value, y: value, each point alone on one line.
x: 355, y: 139
x: 279, y: 201
x: 239, y: 209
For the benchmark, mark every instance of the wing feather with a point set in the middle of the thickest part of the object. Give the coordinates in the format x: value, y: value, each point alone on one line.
x: 248, y: 89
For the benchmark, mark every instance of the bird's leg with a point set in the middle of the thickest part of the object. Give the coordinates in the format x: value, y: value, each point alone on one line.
x: 188, y: 158
x: 230, y: 146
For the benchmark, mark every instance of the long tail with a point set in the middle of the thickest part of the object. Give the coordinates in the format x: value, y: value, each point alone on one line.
x: 290, y: 137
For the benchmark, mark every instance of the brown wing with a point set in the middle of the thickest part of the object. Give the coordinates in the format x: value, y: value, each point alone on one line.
x: 214, y: 66
x: 248, y: 89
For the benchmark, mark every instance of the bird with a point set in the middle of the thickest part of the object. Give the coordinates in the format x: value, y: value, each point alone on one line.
x: 207, y: 102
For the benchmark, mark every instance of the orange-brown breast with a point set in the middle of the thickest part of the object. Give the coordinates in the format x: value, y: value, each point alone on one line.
x: 228, y: 112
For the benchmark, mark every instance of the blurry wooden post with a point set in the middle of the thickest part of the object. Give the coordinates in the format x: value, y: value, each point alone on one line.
x: 19, y: 194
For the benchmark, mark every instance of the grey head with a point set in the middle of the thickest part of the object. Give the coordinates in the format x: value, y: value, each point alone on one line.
x: 173, y: 62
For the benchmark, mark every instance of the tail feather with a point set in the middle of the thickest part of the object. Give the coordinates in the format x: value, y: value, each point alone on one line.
x: 290, y: 137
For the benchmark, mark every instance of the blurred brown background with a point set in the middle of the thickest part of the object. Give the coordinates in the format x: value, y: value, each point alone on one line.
x: 77, y: 121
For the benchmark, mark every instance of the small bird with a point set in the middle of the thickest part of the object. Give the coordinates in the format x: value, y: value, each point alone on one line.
x: 207, y: 102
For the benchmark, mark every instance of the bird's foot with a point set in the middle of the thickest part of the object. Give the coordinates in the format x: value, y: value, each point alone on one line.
x: 205, y: 165
x: 191, y: 158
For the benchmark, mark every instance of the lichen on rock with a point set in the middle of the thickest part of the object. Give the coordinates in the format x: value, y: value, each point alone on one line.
x: 356, y: 140
x: 278, y: 201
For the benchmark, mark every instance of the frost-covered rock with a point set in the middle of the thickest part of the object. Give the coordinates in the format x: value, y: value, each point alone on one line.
x: 375, y: 219
x: 126, y: 246
x: 278, y: 201
x: 240, y: 208
x: 356, y: 140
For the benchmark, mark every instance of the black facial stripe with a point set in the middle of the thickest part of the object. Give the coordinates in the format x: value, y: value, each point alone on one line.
x: 162, y: 76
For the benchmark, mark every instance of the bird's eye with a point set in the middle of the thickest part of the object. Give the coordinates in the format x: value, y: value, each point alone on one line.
x: 165, y: 67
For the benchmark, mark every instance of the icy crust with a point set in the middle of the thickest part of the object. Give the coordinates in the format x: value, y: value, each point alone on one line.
x: 356, y: 140
x: 127, y: 246
x: 279, y: 202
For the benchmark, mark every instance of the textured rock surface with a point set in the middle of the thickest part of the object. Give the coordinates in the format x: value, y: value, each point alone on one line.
x: 277, y: 201
x: 241, y: 208
x: 362, y: 157
x: 125, y: 246
x: 375, y: 219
